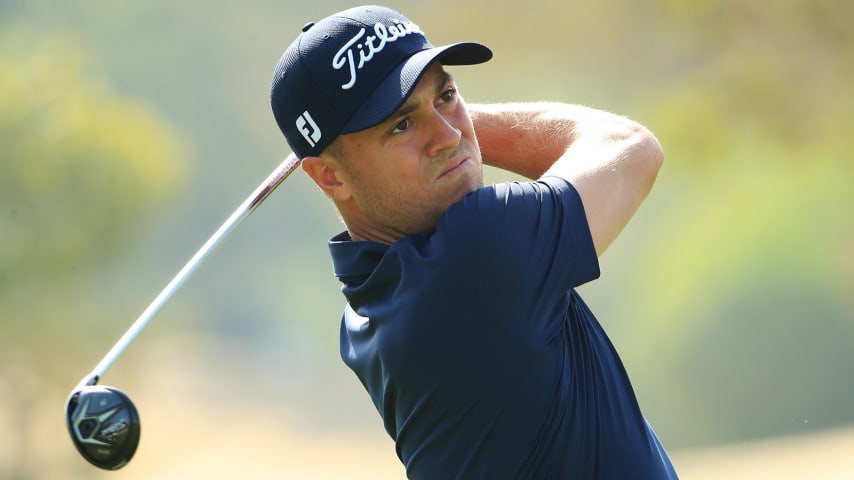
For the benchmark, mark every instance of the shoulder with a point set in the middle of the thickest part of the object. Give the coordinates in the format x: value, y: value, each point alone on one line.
x: 533, y: 194
x: 522, y: 227
x: 516, y: 206
x: 506, y: 221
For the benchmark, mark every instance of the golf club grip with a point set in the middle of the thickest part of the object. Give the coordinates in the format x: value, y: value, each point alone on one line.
x: 247, y: 207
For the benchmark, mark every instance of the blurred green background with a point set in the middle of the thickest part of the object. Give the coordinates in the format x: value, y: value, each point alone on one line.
x: 130, y: 130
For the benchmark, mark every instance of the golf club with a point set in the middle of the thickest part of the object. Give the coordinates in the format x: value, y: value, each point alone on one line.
x: 103, y: 422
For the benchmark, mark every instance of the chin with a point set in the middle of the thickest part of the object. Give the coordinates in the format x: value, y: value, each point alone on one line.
x: 465, y: 189
x: 475, y: 181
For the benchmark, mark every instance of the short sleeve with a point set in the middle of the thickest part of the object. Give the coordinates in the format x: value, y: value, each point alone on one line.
x: 521, y: 246
x: 537, y: 228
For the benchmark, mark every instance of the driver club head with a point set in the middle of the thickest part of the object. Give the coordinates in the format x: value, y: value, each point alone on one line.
x: 104, y: 425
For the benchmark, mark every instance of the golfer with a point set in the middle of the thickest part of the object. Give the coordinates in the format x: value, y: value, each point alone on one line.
x: 462, y: 321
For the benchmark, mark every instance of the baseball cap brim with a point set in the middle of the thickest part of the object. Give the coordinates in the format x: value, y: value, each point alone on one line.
x: 392, y: 92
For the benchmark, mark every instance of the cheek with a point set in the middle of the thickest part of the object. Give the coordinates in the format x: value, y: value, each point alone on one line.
x: 382, y: 185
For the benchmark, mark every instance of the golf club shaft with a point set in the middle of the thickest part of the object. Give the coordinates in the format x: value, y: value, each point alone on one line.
x: 261, y: 193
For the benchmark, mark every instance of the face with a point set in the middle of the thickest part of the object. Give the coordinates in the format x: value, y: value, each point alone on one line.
x: 398, y: 177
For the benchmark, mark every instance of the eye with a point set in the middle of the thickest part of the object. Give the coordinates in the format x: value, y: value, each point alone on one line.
x: 401, y: 126
x: 449, y: 94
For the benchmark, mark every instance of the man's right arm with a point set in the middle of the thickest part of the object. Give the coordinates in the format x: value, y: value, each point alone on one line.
x: 611, y: 161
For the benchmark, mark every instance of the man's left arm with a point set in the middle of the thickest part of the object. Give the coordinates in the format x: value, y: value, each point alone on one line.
x: 611, y: 161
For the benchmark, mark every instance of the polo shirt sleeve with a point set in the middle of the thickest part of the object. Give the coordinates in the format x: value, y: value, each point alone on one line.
x: 529, y: 241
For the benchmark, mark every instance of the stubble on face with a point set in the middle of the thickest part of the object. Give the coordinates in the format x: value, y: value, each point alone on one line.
x: 403, y: 190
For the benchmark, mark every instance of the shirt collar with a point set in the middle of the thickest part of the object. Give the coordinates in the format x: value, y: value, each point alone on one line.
x: 353, y: 261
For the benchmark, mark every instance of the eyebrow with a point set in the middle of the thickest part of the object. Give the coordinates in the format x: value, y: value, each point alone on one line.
x: 408, y: 107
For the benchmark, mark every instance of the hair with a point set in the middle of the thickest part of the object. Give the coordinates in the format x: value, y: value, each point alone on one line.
x: 337, y: 150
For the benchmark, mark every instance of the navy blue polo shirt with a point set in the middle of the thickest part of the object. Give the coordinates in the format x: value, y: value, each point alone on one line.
x: 482, y: 360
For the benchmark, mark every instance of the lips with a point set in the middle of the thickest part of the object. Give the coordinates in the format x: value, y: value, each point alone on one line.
x: 454, y: 166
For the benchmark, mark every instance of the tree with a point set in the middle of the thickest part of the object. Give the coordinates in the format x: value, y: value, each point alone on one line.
x: 81, y: 165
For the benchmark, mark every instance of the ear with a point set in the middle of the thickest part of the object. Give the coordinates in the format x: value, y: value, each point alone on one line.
x: 327, y: 174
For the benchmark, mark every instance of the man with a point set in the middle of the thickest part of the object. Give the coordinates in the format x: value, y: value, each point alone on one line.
x: 462, y: 321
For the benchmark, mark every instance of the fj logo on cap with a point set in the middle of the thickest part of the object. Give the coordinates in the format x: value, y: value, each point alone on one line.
x: 309, y: 130
x: 372, y: 45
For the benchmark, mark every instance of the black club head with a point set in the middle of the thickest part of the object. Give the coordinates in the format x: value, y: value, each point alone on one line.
x: 104, y: 425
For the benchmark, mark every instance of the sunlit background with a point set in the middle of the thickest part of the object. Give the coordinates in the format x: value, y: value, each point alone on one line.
x: 129, y: 131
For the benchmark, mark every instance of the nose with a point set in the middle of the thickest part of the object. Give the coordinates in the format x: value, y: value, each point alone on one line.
x: 444, y: 135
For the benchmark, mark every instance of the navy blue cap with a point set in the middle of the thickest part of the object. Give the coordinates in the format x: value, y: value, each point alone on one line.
x: 352, y: 70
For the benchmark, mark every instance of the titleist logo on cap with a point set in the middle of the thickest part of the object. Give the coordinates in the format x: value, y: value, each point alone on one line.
x: 372, y: 45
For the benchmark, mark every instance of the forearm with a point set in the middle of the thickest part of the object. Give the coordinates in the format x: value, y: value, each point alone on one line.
x: 611, y: 161
x: 528, y: 138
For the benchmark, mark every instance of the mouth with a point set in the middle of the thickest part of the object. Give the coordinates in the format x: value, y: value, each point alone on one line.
x: 455, y: 166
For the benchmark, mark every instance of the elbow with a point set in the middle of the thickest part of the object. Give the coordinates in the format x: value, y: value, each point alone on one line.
x: 648, y: 153
x: 657, y: 151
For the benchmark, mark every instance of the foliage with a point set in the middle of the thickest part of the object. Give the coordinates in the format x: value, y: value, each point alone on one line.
x: 82, y: 167
x: 81, y: 164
